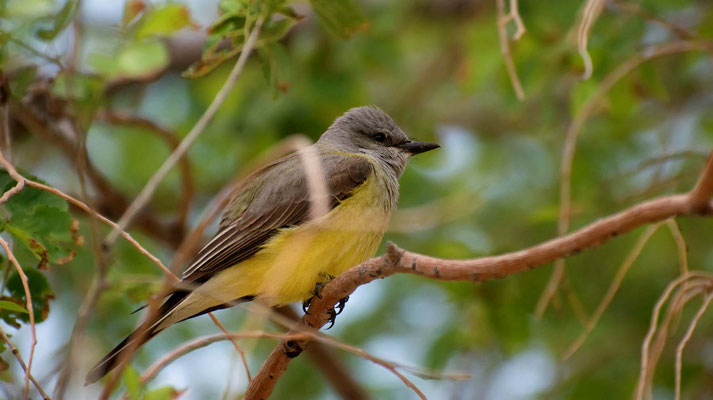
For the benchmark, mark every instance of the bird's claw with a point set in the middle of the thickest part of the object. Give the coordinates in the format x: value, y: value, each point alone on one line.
x: 317, y: 291
x: 336, y: 310
x: 306, y: 304
x: 339, y: 307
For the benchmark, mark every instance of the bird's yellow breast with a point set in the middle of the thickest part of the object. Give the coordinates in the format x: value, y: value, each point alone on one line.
x: 296, y: 258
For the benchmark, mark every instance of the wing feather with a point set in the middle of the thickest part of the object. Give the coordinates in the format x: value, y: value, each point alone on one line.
x: 277, y: 197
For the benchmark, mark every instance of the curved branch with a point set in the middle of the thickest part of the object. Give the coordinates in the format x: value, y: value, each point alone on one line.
x: 170, y: 137
x: 696, y: 202
x: 576, y: 125
x: 147, y: 192
x: 195, y: 344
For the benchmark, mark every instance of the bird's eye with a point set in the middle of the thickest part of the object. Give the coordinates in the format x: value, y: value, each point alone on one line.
x: 379, y: 136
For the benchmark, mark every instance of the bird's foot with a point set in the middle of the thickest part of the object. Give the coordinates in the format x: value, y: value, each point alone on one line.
x: 316, y: 292
x: 336, y: 310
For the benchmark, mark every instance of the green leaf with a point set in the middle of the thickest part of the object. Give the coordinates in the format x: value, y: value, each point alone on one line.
x: 139, y: 59
x: 133, y: 385
x: 342, y: 18
x: 233, y: 7
x: 6, y: 305
x: 85, y: 89
x: 61, y: 21
x: 47, y: 232
x: 40, y: 292
x: 40, y: 221
x: 29, y: 198
x: 164, y: 20
x: 230, y: 26
x: 163, y: 393
x: 28, y: 9
x: 276, y: 65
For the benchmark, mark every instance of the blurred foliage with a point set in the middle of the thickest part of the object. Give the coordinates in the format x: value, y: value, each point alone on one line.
x: 437, y: 68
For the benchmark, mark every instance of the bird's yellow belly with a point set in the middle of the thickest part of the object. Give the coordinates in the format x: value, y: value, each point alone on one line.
x: 290, y: 264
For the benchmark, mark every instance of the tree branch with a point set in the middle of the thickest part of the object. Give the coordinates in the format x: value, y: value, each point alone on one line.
x: 576, y: 125
x: 111, y: 202
x: 118, y: 118
x: 18, y: 356
x: 145, y: 195
x: 479, y: 269
x: 323, y: 358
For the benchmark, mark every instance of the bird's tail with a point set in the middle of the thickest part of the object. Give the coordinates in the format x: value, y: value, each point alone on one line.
x: 176, y: 308
x: 137, y: 338
x: 122, y: 351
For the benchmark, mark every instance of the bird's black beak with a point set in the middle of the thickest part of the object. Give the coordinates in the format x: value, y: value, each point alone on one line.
x: 413, y: 147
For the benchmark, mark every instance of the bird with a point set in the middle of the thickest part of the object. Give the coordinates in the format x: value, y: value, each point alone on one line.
x: 294, y: 224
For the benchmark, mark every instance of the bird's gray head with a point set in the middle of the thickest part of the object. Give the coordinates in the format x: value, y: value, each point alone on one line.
x: 370, y: 131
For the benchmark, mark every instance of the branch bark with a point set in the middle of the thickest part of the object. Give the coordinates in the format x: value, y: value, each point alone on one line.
x: 396, y: 260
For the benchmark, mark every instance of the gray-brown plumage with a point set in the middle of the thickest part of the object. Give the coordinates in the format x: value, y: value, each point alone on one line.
x: 270, y: 246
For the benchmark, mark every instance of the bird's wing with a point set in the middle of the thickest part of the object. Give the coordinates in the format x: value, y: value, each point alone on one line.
x: 277, y: 197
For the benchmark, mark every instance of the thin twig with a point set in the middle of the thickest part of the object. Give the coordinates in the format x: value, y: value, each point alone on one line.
x: 197, y: 343
x: 680, y: 245
x: 171, y: 138
x: 18, y: 356
x: 685, y: 340
x: 643, y: 372
x: 503, y: 19
x: 235, y: 344
x: 98, y: 283
x: 570, y: 142
x: 634, y: 8
x: 30, y: 310
x: 335, y: 372
x: 592, y: 10
x: 658, y: 160
x: 613, y: 288
x: 145, y: 195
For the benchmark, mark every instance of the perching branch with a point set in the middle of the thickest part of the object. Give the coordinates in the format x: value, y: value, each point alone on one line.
x: 396, y: 260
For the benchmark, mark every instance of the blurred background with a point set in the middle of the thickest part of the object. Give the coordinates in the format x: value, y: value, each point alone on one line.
x: 97, y: 86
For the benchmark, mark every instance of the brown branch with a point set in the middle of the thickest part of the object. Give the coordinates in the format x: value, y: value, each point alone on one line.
x: 574, y: 128
x: 692, y: 284
x: 591, y: 12
x: 503, y: 19
x: 145, y: 194
x: 479, y: 269
x: 18, y: 356
x: 195, y: 344
x: 613, y: 288
x: 335, y: 372
x: 226, y: 334
x: 119, y: 118
x: 685, y: 340
x: 110, y: 202
x: 30, y: 310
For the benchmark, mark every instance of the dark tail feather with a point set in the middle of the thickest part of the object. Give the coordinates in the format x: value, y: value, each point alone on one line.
x: 145, y: 332
x: 141, y: 335
x: 119, y: 353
